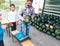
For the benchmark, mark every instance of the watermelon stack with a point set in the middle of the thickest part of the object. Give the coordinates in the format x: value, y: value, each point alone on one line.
x: 49, y: 24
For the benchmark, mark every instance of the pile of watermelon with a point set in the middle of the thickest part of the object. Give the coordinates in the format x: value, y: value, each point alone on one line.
x: 49, y: 24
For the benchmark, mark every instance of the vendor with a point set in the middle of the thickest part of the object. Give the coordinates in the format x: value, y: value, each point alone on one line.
x: 25, y: 11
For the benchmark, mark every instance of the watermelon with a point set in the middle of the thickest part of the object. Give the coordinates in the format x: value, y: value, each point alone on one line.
x: 57, y: 26
x: 44, y: 30
x: 57, y: 32
x: 48, y: 32
x: 37, y: 23
x: 47, y: 25
x: 54, y: 24
x: 51, y: 27
x: 40, y: 29
x: 35, y: 18
x: 40, y: 24
x: 58, y: 37
x: 53, y: 34
x: 37, y: 27
x: 43, y: 27
x: 33, y: 24
x: 48, y: 29
x: 32, y: 20
x: 50, y: 22
x: 52, y: 30
x: 28, y: 19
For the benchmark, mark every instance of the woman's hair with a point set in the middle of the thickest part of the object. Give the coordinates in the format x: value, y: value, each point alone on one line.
x: 12, y: 5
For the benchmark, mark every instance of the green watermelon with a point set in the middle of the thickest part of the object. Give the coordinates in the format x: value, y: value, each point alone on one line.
x: 44, y: 30
x: 57, y: 32
x: 48, y: 29
x: 40, y: 29
x: 52, y: 30
x: 58, y: 37
x: 53, y: 34
x: 37, y: 27
x: 43, y: 26
x: 48, y: 32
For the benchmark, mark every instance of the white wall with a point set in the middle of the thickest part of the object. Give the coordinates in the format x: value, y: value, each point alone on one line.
x: 38, y: 4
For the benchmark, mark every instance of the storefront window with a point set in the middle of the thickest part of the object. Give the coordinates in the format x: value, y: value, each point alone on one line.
x: 52, y: 6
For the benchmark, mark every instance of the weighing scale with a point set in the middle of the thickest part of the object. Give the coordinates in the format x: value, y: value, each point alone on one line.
x: 21, y: 36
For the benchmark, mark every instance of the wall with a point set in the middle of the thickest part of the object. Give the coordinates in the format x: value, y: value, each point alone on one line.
x: 38, y: 5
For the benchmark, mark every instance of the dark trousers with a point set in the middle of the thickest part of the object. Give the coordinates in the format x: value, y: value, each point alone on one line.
x: 14, y: 26
x: 1, y: 43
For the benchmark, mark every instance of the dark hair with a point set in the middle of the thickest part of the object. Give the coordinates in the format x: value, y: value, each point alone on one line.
x: 12, y: 5
x: 30, y: 0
